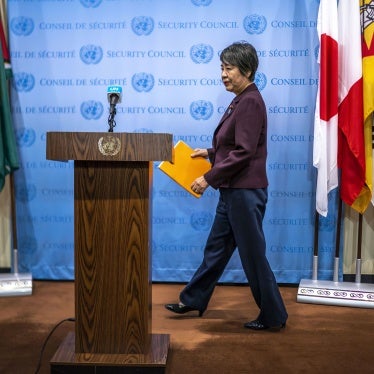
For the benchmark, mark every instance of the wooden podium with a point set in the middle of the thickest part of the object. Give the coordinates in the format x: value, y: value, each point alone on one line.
x: 112, y: 236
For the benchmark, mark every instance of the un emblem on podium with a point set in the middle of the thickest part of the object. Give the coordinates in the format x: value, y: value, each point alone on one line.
x: 109, y: 145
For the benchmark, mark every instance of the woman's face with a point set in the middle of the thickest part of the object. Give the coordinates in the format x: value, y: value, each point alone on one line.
x: 233, y: 79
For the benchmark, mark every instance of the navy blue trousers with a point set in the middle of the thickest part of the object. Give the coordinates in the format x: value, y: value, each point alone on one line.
x: 238, y: 224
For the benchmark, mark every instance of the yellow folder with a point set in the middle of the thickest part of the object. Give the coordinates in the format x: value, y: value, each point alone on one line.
x: 184, y: 169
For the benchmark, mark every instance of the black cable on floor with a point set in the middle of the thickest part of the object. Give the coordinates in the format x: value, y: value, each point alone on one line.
x: 46, y: 341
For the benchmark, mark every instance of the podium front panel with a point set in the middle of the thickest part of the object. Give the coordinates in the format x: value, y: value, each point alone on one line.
x: 112, y: 259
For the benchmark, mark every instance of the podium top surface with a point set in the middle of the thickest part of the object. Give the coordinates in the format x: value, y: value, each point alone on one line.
x: 109, y: 146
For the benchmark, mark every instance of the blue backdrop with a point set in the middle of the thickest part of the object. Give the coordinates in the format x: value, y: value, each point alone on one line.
x: 165, y: 55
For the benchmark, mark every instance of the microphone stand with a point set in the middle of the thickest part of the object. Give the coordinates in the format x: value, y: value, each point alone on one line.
x: 111, y: 121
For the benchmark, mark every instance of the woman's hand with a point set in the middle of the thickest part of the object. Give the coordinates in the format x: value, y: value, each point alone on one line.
x: 199, y: 185
x: 198, y: 152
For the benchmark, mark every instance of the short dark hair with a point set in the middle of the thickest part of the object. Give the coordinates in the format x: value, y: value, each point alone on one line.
x: 242, y: 55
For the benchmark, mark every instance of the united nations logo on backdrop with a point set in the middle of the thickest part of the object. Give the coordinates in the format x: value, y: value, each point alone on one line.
x: 91, y: 54
x: 201, y: 109
x: 91, y: 3
x: 254, y: 24
x: 260, y: 81
x: 22, y: 26
x: 25, y: 137
x: 201, y: 2
x: 154, y: 246
x: 201, y: 53
x: 91, y: 109
x: 23, y: 82
x: 142, y: 25
x: 316, y: 52
x: 25, y: 193
x: 201, y: 221
x: 28, y: 245
x: 142, y: 82
x: 326, y: 224
x: 109, y: 145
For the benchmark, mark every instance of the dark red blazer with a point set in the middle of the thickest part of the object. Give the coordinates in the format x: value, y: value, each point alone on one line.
x: 239, y: 147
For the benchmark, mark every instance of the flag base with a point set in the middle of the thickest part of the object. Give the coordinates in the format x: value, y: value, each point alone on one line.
x: 15, y: 284
x: 360, y: 295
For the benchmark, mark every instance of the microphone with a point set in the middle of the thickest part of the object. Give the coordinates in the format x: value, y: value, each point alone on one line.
x: 114, y: 94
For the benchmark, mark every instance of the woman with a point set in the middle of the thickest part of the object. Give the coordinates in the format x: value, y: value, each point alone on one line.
x: 238, y: 158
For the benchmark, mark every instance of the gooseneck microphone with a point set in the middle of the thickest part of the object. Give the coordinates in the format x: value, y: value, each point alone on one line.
x: 114, y: 95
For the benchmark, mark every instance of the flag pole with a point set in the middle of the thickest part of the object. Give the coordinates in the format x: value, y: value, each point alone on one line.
x: 12, y: 284
x: 15, y: 283
x: 315, y: 249
x: 14, y: 224
x: 337, y: 242
x: 358, y: 256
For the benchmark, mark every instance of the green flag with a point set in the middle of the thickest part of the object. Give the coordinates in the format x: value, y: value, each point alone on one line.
x: 8, y: 147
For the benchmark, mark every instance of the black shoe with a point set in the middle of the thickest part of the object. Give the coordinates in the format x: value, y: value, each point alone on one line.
x: 181, y: 309
x: 257, y: 325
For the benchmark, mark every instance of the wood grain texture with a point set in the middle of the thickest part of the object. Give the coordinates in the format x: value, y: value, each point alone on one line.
x: 85, y: 146
x: 112, y: 209
x: 112, y: 258
x: 156, y: 355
